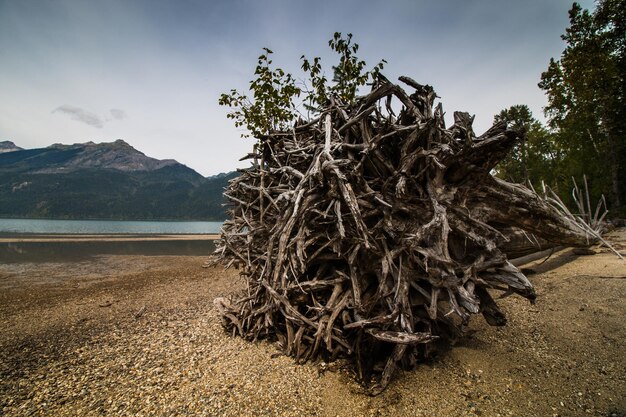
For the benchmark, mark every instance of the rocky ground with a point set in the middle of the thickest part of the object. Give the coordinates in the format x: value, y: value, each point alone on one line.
x: 137, y: 335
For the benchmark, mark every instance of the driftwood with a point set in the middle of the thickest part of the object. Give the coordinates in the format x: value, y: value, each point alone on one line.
x: 369, y: 234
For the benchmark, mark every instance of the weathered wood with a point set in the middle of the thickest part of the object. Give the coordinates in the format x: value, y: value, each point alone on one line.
x: 367, y: 234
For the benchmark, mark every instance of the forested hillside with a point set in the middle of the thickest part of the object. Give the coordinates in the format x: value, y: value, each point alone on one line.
x: 104, y: 181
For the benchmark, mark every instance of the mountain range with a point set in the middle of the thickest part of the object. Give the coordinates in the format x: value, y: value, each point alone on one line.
x: 104, y: 181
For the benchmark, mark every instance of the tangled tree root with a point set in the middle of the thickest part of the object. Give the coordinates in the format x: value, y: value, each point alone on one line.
x: 369, y: 235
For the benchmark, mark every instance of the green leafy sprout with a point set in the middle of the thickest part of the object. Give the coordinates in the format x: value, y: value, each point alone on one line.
x: 272, y: 103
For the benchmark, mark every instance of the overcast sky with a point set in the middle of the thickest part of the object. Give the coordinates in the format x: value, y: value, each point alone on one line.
x: 150, y: 71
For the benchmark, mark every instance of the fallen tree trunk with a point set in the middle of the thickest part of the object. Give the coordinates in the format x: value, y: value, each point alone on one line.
x: 369, y: 235
x: 519, y: 243
x: 545, y: 254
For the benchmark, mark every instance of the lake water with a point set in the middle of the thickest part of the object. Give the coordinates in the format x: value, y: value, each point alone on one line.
x: 106, y: 226
x: 64, y: 251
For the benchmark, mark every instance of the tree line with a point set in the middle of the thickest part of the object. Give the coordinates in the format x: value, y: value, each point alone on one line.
x: 586, y: 116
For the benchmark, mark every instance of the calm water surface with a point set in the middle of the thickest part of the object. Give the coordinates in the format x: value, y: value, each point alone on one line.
x: 68, y: 251
x: 20, y: 252
x: 106, y: 226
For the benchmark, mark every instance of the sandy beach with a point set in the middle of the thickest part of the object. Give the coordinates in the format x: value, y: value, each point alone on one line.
x: 138, y: 335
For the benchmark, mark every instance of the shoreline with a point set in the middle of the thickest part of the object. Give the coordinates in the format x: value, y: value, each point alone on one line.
x: 8, y: 237
x: 114, y: 220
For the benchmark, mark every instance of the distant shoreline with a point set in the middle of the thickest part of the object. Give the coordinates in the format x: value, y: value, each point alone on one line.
x: 8, y: 237
x: 7, y: 217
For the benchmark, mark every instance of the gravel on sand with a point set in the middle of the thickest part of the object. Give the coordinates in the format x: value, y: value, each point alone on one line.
x: 138, y: 335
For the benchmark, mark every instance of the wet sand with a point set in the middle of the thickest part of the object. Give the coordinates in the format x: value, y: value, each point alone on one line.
x: 21, y: 248
x: 138, y: 335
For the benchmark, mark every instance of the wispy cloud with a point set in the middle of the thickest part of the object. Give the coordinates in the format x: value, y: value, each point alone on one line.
x: 118, y: 114
x: 80, y: 115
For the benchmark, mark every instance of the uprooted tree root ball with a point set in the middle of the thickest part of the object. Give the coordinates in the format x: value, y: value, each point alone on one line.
x: 369, y: 234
